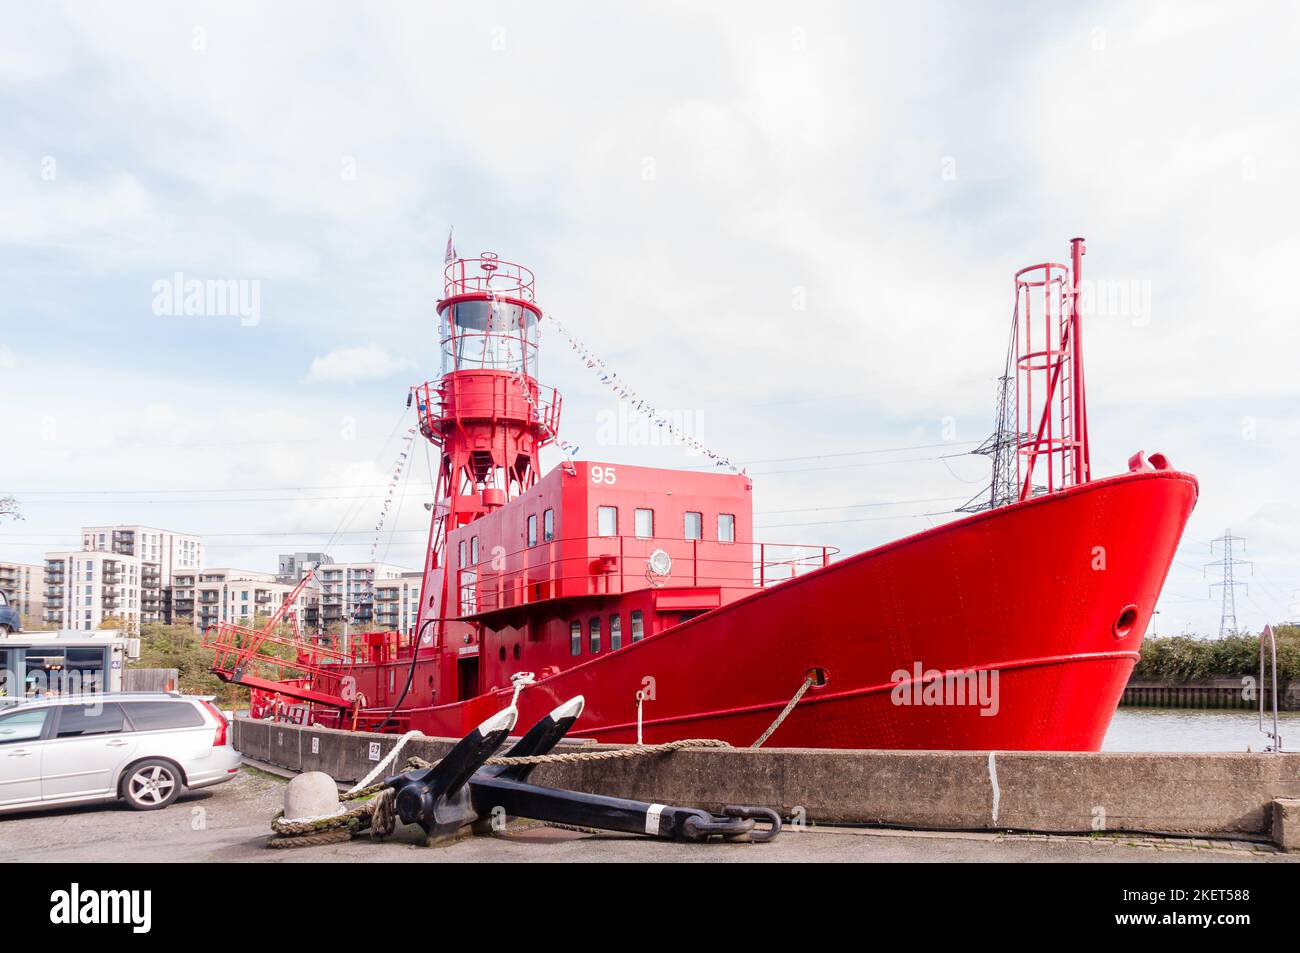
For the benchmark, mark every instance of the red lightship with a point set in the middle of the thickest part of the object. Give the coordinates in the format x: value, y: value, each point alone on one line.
x: 1015, y: 627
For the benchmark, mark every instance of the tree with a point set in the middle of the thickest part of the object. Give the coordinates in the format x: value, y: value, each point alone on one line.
x: 9, y: 509
x: 178, y: 647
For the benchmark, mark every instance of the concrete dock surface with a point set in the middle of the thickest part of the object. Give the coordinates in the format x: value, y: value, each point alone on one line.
x: 231, y: 823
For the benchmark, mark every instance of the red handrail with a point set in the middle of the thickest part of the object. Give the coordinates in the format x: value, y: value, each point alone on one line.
x: 483, y: 588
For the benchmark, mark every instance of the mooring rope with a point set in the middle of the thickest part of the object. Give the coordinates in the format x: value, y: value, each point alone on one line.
x: 375, y: 812
x: 375, y: 771
x: 807, y: 683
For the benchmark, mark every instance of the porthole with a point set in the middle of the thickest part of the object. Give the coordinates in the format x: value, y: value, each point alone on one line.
x: 1123, y: 626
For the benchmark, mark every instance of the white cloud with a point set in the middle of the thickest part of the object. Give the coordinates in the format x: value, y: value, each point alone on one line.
x: 791, y: 158
x: 347, y: 365
x: 7, y: 360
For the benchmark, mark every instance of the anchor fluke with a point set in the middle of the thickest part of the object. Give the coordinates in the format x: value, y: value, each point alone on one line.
x: 541, y: 738
x: 437, y: 798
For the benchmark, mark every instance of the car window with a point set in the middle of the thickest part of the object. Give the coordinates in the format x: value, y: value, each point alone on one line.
x: 80, y: 721
x: 22, y: 725
x: 154, y: 716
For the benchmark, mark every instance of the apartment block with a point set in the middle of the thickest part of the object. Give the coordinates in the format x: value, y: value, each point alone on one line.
x: 293, y: 565
x: 397, y: 602
x: 162, y: 554
x: 347, y: 592
x: 235, y: 595
x: 83, y: 588
x: 24, y: 586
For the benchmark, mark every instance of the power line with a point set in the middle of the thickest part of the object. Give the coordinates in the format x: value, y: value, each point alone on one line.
x: 853, y: 453
x: 856, y: 506
x: 320, y: 499
x: 362, y: 486
x: 219, y: 489
x: 34, y: 538
x: 862, y: 519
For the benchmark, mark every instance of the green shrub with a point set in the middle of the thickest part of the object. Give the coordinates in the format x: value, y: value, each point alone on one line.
x: 178, y: 647
x: 1184, y: 658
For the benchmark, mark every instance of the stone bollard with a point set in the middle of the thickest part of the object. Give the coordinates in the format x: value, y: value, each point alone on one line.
x: 1286, y: 823
x: 311, y: 795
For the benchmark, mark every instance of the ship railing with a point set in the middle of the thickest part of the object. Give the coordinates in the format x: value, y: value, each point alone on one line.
x: 242, y: 649
x: 547, y: 406
x: 607, y: 565
x: 488, y: 273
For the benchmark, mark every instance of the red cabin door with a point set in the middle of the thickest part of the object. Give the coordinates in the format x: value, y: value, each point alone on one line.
x: 467, y: 677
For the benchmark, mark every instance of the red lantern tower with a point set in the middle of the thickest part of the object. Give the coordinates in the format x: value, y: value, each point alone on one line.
x: 487, y: 414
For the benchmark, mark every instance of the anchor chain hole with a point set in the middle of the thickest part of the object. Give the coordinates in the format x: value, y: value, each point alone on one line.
x: 1124, y: 624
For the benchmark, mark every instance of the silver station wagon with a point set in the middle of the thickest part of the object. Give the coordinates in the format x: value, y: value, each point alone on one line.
x: 142, y: 748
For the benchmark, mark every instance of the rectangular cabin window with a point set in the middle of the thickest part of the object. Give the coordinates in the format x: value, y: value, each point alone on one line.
x: 615, y: 632
x: 726, y: 528
x: 575, y: 638
x: 461, y: 562
x: 607, y: 521
x: 694, y: 526
x: 645, y: 524
x: 473, y: 550
x: 548, y: 526
x: 593, y: 633
x: 638, y: 626
x: 532, y: 530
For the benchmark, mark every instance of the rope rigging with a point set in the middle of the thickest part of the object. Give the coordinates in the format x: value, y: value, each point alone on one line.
x: 615, y: 382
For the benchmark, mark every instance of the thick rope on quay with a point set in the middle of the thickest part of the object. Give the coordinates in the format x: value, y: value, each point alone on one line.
x: 311, y: 840
x: 375, y: 811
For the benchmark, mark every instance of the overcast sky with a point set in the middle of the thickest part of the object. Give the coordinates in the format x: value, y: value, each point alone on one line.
x: 793, y: 225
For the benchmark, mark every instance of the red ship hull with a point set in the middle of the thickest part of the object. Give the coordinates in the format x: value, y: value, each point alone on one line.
x: 1048, y: 599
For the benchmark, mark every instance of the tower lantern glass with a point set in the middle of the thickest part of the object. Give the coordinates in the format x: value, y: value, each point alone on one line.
x: 487, y: 319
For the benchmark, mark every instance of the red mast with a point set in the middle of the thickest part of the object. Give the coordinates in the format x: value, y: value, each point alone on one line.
x: 1051, y: 407
x: 487, y: 415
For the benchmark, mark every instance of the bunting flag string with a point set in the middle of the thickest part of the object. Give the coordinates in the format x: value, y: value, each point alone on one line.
x: 403, y: 457
x: 568, y: 449
x: 611, y: 379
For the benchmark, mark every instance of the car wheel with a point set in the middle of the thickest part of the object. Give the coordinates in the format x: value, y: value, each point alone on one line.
x: 151, y: 785
x: 5, y: 630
